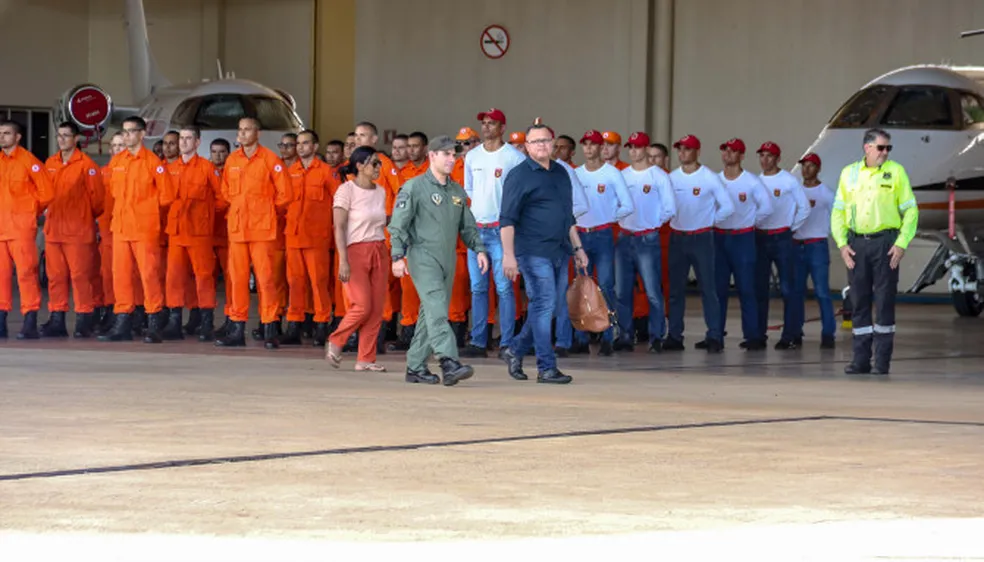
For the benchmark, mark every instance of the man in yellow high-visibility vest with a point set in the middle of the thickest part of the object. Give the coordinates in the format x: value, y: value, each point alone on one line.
x: 873, y: 220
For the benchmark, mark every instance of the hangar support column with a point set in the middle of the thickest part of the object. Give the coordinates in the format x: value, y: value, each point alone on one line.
x: 660, y: 106
x: 333, y: 101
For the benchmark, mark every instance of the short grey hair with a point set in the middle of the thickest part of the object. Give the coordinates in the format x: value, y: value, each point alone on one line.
x: 871, y: 135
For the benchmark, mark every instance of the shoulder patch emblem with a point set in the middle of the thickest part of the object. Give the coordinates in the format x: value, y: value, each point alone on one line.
x: 92, y: 171
x: 436, y: 198
x: 601, y: 188
x: 498, y: 172
x: 742, y: 197
x: 393, y: 171
x: 35, y: 168
x: 646, y: 188
x: 777, y: 192
x: 887, y: 176
x: 696, y: 191
x: 160, y: 169
x: 217, y: 174
x: 278, y: 168
x: 456, y: 200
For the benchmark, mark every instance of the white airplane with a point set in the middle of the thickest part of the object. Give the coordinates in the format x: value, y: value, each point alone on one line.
x: 214, y: 106
x: 935, y: 115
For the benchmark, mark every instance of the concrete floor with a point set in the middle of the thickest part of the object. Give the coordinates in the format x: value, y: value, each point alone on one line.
x: 148, y: 452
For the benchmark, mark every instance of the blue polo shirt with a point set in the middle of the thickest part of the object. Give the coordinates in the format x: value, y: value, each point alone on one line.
x: 538, y: 203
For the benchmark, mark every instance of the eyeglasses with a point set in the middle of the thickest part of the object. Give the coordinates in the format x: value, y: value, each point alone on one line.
x: 540, y: 141
x: 884, y: 147
x: 471, y: 142
x: 286, y: 145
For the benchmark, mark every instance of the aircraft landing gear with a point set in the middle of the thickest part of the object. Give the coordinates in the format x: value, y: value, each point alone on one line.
x: 964, y: 290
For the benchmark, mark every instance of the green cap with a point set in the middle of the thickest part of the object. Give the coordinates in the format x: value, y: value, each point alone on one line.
x: 441, y: 143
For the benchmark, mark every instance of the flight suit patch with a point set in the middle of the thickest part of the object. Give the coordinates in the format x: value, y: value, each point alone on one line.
x: 436, y: 198
x: 457, y: 201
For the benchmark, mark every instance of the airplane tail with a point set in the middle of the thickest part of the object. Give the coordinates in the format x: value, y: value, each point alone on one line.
x: 145, y: 76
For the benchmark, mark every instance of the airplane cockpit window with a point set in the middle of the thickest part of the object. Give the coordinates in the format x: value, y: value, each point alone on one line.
x: 972, y: 108
x: 223, y: 111
x: 220, y: 112
x: 861, y: 108
x: 273, y: 113
x: 920, y: 107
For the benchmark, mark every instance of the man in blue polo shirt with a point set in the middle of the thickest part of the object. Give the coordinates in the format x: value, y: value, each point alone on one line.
x: 538, y: 237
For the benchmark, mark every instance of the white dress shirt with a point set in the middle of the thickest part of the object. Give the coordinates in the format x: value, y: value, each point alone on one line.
x: 700, y: 199
x: 485, y: 173
x: 752, y: 203
x: 577, y: 190
x: 608, y: 196
x: 790, y: 207
x: 817, y: 225
x: 652, y: 197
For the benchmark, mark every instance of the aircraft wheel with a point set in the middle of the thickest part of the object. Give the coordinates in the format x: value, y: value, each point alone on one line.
x: 967, y: 303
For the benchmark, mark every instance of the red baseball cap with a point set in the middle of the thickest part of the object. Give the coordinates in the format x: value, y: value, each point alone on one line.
x: 593, y: 136
x: 770, y: 147
x: 810, y: 157
x: 736, y: 145
x: 688, y: 141
x: 493, y: 114
x: 638, y: 140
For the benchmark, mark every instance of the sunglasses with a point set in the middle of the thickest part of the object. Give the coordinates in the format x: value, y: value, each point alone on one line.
x: 376, y: 163
x: 884, y: 147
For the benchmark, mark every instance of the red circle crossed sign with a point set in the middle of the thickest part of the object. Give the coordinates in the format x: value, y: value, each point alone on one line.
x: 494, y: 41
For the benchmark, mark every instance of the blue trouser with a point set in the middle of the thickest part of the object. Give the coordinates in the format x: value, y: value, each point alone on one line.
x: 564, y: 329
x: 480, y: 292
x: 546, y: 281
x: 639, y: 254
x: 778, y: 249
x: 813, y: 260
x: 599, y: 245
x: 697, y: 251
x: 736, y: 256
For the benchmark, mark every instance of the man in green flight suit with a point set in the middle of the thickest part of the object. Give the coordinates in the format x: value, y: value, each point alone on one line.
x: 430, y: 212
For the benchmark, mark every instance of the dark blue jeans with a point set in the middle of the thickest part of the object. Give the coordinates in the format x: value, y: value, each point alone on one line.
x: 545, y: 281
x: 777, y: 249
x: 639, y: 254
x: 599, y: 245
x: 480, y: 291
x: 697, y: 251
x: 813, y: 260
x: 736, y: 256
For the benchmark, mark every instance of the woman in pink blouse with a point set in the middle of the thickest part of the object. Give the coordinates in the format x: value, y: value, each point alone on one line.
x: 363, y: 261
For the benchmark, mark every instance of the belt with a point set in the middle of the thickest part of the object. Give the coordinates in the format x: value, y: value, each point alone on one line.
x: 733, y: 231
x: 692, y: 232
x: 810, y: 240
x: 640, y: 232
x: 873, y: 235
x: 487, y: 224
x: 595, y: 228
x: 774, y: 230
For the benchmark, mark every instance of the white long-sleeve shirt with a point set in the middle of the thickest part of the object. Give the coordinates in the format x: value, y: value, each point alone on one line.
x: 577, y: 190
x: 817, y: 225
x: 608, y: 196
x: 752, y: 203
x: 652, y: 197
x: 700, y: 199
x: 485, y: 173
x: 790, y: 207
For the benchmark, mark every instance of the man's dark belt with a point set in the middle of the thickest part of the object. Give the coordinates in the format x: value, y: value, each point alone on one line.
x: 851, y: 235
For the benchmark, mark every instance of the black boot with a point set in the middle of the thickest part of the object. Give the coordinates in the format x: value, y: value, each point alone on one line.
x: 270, y: 335
x: 106, y: 321
x: 307, y: 328
x: 293, y: 334
x: 55, y: 327
x: 194, y: 321
x: 422, y: 376
x: 235, y: 336
x: 406, y: 336
x: 641, y: 328
x: 223, y: 330
x: 320, y: 334
x: 206, y: 325
x: 381, y: 342
x: 122, y: 329
x: 83, y: 325
x: 861, y: 363
x: 30, y: 329
x: 884, y: 346
x: 333, y: 325
x: 3, y: 324
x: 257, y: 332
x: 138, y: 320
x: 154, y: 322
x: 172, y: 331
x: 454, y: 371
x: 460, y: 330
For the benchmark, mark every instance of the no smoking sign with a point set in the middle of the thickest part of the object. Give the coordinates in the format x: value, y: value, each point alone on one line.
x: 495, y: 41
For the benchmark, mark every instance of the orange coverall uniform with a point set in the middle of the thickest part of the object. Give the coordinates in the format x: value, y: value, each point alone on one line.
x: 409, y: 301
x: 389, y: 179
x: 70, y: 230
x: 255, y: 187
x: 461, y: 289
x: 25, y: 189
x: 141, y: 188
x: 309, y: 239
x: 190, y: 225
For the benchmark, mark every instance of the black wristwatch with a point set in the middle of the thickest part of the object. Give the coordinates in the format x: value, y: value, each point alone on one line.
x: 397, y: 258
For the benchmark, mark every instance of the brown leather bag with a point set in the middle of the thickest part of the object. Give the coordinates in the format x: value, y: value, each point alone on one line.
x: 586, y: 305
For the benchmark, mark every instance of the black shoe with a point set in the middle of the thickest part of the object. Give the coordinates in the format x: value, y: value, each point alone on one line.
x: 880, y: 369
x: 352, y: 344
x: 154, y: 333
x: 307, y: 327
x: 606, y: 349
x: 194, y: 321
x: 853, y: 369
x: 578, y: 348
x: 641, y: 328
x: 702, y: 344
x: 320, y: 335
x: 514, y: 364
x: 381, y: 342
x: 29, y: 331
x: 106, y: 321
x: 406, y: 337
x: 83, y: 325
x: 271, y: 339
x: 454, y: 371
x: 786, y: 345
x: 753, y: 345
x: 257, y: 332
x: 827, y: 342
x: 473, y: 351
x: 623, y: 344
x: 206, y: 325
x: 223, y: 330
x: 656, y: 347
x: 138, y: 320
x: 55, y: 326
x: 122, y: 329
x: 670, y: 344
x: 235, y: 336
x: 553, y: 376
x: 715, y: 346
x: 3, y: 324
x: 172, y: 331
x: 292, y: 336
x: 561, y: 352
x: 422, y: 376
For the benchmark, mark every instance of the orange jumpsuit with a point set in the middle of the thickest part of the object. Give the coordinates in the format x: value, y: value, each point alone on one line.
x: 309, y: 239
x: 70, y: 230
x: 255, y: 187
x: 220, y: 244
x: 389, y: 178
x: 25, y: 188
x: 190, y: 224
x: 339, y: 298
x: 141, y: 188
x: 461, y: 289
x: 410, y: 302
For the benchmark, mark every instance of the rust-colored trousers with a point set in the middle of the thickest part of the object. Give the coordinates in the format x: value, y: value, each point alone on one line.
x: 366, y: 289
